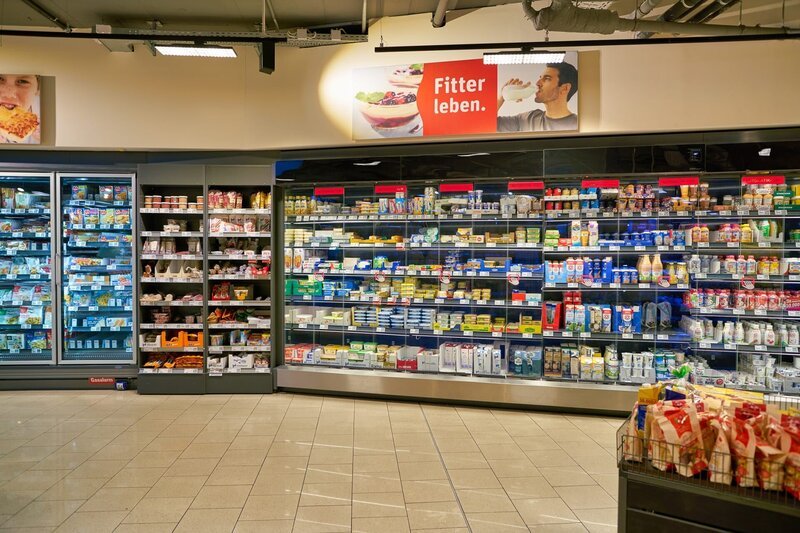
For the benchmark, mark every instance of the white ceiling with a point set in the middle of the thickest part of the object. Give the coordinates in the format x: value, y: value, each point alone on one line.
x: 243, y: 15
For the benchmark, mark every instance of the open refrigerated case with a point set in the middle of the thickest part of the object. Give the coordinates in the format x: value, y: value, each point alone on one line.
x: 559, y: 291
x: 26, y: 259
x: 97, y: 258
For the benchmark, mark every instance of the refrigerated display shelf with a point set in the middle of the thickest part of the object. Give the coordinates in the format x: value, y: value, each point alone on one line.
x: 147, y: 325
x: 240, y: 303
x: 98, y: 244
x: 789, y: 351
x: 24, y: 277
x: 172, y: 280
x: 24, y: 235
x: 171, y: 233
x: 620, y: 286
x: 99, y: 268
x: 170, y: 211
x: 222, y: 349
x: 102, y: 227
x: 361, y: 219
x: 23, y: 356
x: 399, y: 247
x: 236, y: 257
x: 112, y: 329
x: 170, y: 370
x: 97, y: 308
x: 173, y: 303
x: 30, y: 211
x: 237, y: 325
x: 19, y: 303
x: 614, y: 248
x: 25, y: 253
x: 153, y: 349
x: 81, y: 287
x: 258, y: 370
x: 97, y: 203
x: 99, y: 354
x: 413, y: 332
x: 432, y: 273
x: 242, y: 234
x: 156, y: 257
x: 238, y: 278
x: 702, y: 277
x: 498, y: 304
x: 241, y: 211
x: 17, y: 327
x: 743, y: 313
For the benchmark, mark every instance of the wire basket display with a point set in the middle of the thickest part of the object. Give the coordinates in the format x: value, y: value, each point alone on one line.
x: 719, y: 461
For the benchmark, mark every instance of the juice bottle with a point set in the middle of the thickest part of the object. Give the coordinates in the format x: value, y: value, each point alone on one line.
x: 657, y: 269
x: 704, y: 233
x: 645, y: 269
x: 746, y: 233
x: 741, y: 265
x: 774, y: 266
x: 752, y: 265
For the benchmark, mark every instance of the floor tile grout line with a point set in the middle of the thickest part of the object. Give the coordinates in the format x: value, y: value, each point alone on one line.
x: 446, y: 471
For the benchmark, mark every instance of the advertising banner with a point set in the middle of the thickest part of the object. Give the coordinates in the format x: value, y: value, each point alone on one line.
x: 465, y: 97
x: 20, y: 114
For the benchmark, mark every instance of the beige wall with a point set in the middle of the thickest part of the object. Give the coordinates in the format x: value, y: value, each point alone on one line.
x: 137, y: 101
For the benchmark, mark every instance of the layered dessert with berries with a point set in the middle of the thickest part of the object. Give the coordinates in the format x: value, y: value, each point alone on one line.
x: 388, y: 110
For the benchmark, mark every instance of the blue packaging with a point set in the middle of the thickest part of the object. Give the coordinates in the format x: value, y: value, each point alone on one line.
x: 608, y: 270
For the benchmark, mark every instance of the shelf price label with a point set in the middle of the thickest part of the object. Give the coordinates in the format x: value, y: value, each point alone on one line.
x: 763, y: 180
x: 676, y: 181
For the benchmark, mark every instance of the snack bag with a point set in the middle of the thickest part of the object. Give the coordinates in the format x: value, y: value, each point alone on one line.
x: 681, y: 428
x: 719, y: 460
x: 791, y: 478
x: 769, y: 466
x: 743, y: 442
x: 631, y: 441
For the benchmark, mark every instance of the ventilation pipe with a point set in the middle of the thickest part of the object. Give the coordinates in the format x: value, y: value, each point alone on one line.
x: 644, y: 8
x: 564, y: 16
x: 439, y: 18
x: 46, y: 14
x: 676, y: 12
x: 712, y: 10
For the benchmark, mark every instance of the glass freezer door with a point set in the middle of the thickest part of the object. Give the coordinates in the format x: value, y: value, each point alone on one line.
x: 97, y: 259
x: 26, y: 303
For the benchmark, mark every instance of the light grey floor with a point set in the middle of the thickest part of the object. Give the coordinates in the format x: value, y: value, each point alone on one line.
x: 103, y: 461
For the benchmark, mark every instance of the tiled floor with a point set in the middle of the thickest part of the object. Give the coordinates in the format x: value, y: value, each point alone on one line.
x: 111, y: 461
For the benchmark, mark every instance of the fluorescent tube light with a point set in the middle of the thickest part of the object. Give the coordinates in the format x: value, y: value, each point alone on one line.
x: 523, y: 58
x: 196, y: 51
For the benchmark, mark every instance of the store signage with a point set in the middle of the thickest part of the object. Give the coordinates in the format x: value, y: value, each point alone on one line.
x: 526, y: 186
x: 20, y: 109
x: 390, y: 189
x: 328, y: 191
x: 456, y: 187
x: 101, y: 381
x: 677, y: 181
x: 464, y: 98
x: 763, y: 180
x: 600, y: 184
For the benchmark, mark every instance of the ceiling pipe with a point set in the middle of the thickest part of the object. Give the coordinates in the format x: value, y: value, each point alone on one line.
x: 272, y: 14
x: 439, y: 18
x: 643, y: 9
x: 563, y: 15
x: 46, y: 14
x: 364, y: 16
x: 712, y: 10
x: 676, y: 12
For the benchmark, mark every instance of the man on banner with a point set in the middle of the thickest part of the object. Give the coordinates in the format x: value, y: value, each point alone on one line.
x: 557, y: 84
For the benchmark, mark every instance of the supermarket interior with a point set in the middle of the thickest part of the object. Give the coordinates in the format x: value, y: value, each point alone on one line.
x: 406, y: 281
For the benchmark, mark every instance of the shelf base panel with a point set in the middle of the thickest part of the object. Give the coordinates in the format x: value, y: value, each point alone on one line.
x: 242, y: 383
x: 171, y: 384
x: 539, y: 394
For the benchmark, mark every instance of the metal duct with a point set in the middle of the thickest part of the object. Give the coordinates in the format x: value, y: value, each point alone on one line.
x: 563, y: 15
x: 439, y: 18
x: 643, y: 9
x: 712, y: 10
x: 46, y: 14
x: 676, y: 12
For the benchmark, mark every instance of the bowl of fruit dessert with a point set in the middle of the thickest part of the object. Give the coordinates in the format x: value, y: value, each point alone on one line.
x: 390, y: 112
x: 410, y: 76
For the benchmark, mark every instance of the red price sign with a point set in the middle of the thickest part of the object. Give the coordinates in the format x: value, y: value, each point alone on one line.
x: 456, y: 187
x: 526, y: 186
x: 663, y: 281
x: 675, y: 181
x: 380, y: 277
x: 319, y: 276
x: 601, y: 184
x: 328, y: 191
x: 444, y: 276
x: 748, y: 283
x: 390, y: 189
x: 513, y: 278
x: 763, y: 180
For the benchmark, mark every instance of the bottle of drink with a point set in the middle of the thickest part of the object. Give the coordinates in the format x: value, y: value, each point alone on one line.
x: 752, y: 266
x: 657, y: 269
x: 645, y: 269
x: 739, y: 333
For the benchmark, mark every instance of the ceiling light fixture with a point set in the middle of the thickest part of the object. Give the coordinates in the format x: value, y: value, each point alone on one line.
x: 523, y: 58
x: 195, y: 51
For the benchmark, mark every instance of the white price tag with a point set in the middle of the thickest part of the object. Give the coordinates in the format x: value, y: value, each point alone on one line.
x: 545, y: 333
x: 586, y: 334
x: 467, y: 333
x: 497, y: 334
x: 437, y: 332
x: 760, y: 312
x: 760, y: 348
x: 738, y: 311
x: 413, y: 331
x: 566, y: 334
x: 351, y: 328
x: 302, y: 326
x: 764, y: 245
x: 647, y: 336
x: 705, y: 345
x: 380, y: 329
x: 614, y: 248
x: 499, y: 302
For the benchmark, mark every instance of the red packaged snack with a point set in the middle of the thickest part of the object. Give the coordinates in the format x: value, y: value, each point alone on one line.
x: 743, y: 442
